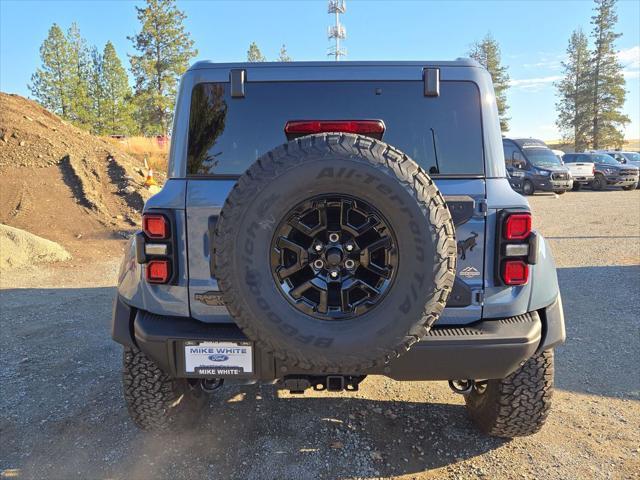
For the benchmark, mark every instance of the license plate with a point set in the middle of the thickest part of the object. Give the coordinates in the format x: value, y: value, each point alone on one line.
x: 218, y: 358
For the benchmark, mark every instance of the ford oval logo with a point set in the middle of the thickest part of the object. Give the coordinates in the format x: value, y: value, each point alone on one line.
x: 218, y: 357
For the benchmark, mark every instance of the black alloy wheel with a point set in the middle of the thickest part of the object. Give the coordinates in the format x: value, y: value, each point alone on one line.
x: 334, y: 257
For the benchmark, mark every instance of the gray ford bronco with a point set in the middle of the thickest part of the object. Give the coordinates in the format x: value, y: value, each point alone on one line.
x: 323, y: 222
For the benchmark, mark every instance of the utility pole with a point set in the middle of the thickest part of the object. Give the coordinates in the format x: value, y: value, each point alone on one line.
x: 337, y: 31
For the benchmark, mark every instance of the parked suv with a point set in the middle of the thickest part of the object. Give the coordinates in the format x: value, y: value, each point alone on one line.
x: 533, y: 166
x: 323, y: 222
x: 608, y: 171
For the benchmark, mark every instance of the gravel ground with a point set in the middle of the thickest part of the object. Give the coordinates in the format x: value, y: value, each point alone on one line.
x: 62, y: 415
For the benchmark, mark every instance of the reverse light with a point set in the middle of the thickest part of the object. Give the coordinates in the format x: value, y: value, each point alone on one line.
x: 515, y: 272
x: 517, y: 226
x: 298, y: 128
x: 158, y: 271
x: 516, y: 250
x: 155, y: 225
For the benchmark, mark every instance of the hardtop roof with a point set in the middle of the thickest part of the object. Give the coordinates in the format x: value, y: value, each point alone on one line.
x: 460, y: 62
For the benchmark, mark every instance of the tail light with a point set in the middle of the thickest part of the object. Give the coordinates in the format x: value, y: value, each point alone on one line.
x: 517, y: 226
x: 155, y: 226
x: 158, y: 271
x: 299, y: 128
x: 515, y: 272
x: 156, y: 248
x: 516, y: 247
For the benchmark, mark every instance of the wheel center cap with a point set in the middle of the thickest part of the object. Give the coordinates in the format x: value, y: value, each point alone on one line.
x: 334, y: 256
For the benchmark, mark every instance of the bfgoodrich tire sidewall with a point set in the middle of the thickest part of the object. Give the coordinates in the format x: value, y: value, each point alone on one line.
x: 382, y: 327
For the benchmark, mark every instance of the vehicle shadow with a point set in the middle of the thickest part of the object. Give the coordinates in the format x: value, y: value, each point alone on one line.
x: 329, y: 437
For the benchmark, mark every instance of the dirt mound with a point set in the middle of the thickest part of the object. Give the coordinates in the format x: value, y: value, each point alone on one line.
x: 61, y: 182
x: 19, y: 248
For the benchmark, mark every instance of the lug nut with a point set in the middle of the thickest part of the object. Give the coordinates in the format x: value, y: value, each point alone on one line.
x: 318, y: 263
x: 334, y: 237
x: 318, y: 247
x: 333, y: 274
x: 349, y: 264
x: 349, y: 247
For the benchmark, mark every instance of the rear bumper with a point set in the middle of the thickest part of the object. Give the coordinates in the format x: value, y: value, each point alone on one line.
x: 485, y: 349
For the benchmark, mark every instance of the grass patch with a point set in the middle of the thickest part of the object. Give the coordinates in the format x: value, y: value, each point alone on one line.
x: 157, y: 154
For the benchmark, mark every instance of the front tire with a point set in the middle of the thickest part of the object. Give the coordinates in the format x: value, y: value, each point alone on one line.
x: 528, y: 188
x: 598, y: 182
x: 155, y: 400
x: 630, y: 187
x: 517, y: 405
x: 576, y: 187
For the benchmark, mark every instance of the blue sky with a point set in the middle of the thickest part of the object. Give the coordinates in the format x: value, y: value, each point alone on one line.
x: 533, y: 36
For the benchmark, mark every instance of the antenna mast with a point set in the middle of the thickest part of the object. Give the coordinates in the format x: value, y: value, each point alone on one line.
x: 337, y: 31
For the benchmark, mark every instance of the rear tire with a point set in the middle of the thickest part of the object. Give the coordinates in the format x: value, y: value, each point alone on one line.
x: 155, y: 400
x: 598, y: 182
x: 576, y: 187
x: 561, y: 192
x: 517, y: 405
x: 528, y: 188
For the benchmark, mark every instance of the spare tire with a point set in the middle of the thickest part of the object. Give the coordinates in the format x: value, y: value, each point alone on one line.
x: 335, y: 252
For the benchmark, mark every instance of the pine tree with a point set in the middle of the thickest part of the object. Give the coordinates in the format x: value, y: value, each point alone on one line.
x: 96, y: 93
x: 284, y: 55
x: 487, y: 53
x: 254, y: 54
x: 117, y: 106
x: 78, y: 83
x: 608, y: 87
x: 49, y: 84
x: 575, y: 94
x: 165, y: 49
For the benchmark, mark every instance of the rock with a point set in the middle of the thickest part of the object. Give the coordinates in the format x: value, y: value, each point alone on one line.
x: 129, y: 189
x: 22, y: 143
x: 375, y: 455
x: 336, y: 444
x: 27, y: 117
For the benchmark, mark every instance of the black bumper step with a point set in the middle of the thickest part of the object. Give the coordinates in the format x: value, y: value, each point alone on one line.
x: 486, y: 349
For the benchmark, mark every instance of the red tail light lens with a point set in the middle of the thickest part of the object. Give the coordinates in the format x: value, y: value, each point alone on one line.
x: 307, y: 127
x: 515, y: 272
x: 155, y: 226
x: 158, y: 271
x: 517, y: 226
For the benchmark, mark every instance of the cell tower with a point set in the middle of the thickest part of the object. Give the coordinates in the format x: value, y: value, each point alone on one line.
x: 337, y: 31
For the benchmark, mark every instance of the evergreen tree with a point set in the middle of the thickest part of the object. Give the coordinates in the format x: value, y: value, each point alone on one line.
x: 49, y: 84
x: 165, y: 49
x: 608, y: 84
x: 96, y: 93
x: 254, y: 54
x: 117, y: 108
x: 487, y: 53
x: 78, y: 84
x: 575, y: 94
x: 284, y: 55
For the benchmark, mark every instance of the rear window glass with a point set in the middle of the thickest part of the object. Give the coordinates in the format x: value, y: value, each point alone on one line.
x: 226, y: 135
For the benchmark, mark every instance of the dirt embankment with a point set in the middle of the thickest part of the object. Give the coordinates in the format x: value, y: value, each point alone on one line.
x: 62, y: 183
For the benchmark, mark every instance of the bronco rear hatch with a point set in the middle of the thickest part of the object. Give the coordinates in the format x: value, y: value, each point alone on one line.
x: 232, y: 124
